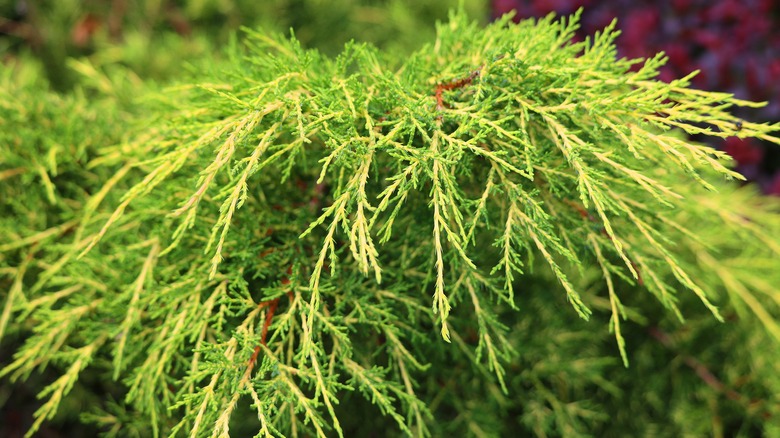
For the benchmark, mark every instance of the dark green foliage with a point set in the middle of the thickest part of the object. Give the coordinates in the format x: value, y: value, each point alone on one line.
x: 285, y: 243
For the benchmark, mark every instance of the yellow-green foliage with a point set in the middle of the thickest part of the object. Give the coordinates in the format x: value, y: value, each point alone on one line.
x: 290, y: 244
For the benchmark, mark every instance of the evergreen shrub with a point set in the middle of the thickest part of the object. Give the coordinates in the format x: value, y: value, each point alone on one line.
x: 503, y: 233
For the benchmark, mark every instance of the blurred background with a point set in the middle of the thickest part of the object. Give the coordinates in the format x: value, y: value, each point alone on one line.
x: 734, y: 43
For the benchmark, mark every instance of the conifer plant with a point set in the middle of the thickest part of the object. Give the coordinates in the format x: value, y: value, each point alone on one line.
x: 503, y: 232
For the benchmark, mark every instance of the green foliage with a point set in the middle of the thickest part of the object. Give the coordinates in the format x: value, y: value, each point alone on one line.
x: 290, y: 244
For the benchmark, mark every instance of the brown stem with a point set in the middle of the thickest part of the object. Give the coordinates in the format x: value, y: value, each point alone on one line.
x: 460, y: 83
x: 272, y: 305
x: 704, y: 373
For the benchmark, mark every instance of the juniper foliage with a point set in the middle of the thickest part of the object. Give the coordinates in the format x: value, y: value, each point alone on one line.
x: 290, y: 244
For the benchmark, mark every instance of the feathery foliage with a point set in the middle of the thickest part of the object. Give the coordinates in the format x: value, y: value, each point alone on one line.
x: 289, y: 242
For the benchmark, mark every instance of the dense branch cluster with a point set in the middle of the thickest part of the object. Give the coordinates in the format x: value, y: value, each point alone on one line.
x: 289, y: 232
